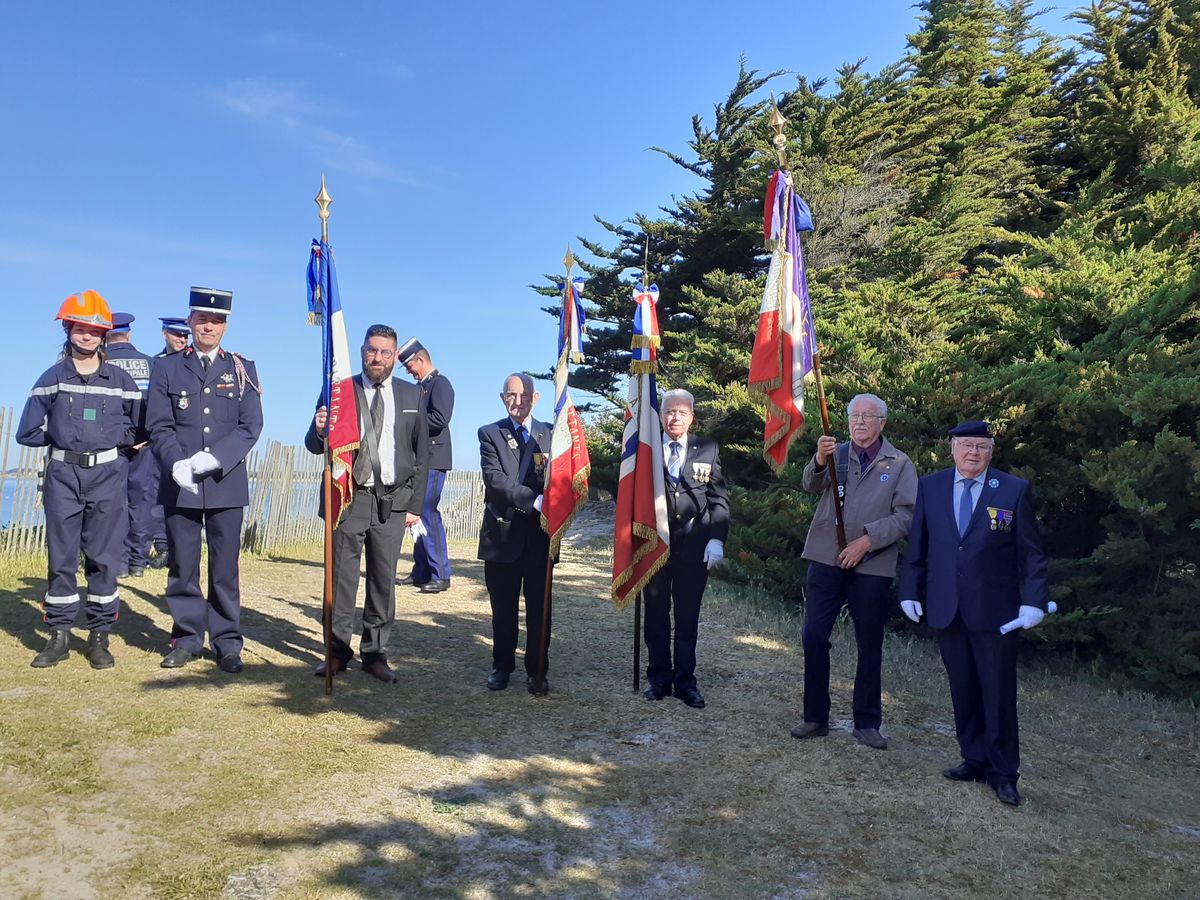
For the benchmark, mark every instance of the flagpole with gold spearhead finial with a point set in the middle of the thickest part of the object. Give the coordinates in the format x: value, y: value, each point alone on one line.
x: 780, y: 143
x: 323, y: 201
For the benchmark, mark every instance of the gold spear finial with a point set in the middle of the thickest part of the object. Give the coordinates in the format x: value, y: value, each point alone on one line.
x: 323, y: 201
x: 569, y: 261
x: 780, y: 141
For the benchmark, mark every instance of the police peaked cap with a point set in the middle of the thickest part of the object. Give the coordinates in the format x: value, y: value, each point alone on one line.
x: 211, y: 300
x: 410, y: 349
x: 175, y: 325
x: 971, y: 428
x: 121, y: 322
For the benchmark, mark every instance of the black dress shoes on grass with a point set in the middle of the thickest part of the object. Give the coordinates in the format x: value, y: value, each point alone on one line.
x: 434, y: 587
x: 378, y: 668
x: 657, y: 691
x: 964, y: 771
x: 691, y: 697
x: 339, y: 665
x: 177, y: 658
x: 231, y: 663
x: 1006, y: 792
x: 537, y: 688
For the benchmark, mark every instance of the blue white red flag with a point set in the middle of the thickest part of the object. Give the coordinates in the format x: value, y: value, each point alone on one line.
x: 785, y: 345
x: 337, y: 388
x: 566, y: 487
x: 642, y: 536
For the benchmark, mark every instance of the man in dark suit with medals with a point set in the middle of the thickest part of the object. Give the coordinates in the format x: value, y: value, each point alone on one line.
x: 431, y: 557
x: 389, y: 471
x: 204, y: 416
x: 512, y: 543
x: 975, y: 556
x: 699, y: 516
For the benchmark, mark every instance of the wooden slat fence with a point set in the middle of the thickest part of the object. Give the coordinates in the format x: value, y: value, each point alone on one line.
x: 285, y: 485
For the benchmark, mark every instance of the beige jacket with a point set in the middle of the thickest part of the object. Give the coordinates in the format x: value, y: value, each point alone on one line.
x: 879, y: 503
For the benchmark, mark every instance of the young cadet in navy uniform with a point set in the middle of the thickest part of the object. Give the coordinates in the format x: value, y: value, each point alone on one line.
x: 699, y: 516
x: 175, y: 332
x: 86, y: 411
x: 143, y: 467
x: 512, y: 543
x: 381, y: 507
x: 204, y: 416
x: 431, y: 557
x: 975, y: 555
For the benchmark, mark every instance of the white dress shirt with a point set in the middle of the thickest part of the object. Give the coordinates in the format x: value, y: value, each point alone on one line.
x: 387, y: 438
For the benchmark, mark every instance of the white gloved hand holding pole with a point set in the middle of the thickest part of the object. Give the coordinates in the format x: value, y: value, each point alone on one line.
x: 912, y: 609
x: 1028, y: 617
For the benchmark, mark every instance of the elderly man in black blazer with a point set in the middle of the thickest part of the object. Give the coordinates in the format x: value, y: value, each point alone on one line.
x: 389, y: 490
x: 512, y: 543
x: 699, y: 517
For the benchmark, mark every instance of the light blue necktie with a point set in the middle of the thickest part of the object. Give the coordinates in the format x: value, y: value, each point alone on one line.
x: 965, y: 506
x: 673, y: 461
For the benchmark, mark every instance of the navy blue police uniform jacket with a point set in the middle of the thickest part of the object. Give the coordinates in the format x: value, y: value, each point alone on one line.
x: 219, y: 411
x: 83, y: 415
x: 438, y: 395
x: 986, y: 575
x: 512, y: 480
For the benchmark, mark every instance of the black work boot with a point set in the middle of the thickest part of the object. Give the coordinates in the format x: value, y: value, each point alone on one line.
x: 57, y: 649
x: 98, y: 654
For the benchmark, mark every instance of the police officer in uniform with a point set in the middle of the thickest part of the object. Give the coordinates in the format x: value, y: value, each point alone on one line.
x: 86, y: 411
x: 143, y: 468
x: 205, y: 414
x: 175, y: 332
x: 699, y: 517
x: 431, y: 558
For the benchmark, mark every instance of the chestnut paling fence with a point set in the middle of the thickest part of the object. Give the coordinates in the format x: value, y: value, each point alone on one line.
x: 285, y: 487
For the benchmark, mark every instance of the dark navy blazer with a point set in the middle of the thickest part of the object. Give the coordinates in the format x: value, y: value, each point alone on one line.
x: 190, y: 410
x: 439, y: 405
x: 697, y: 506
x: 988, y: 573
x: 512, y: 480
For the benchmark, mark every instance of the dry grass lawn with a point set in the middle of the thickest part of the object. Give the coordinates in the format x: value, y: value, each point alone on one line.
x: 141, y: 781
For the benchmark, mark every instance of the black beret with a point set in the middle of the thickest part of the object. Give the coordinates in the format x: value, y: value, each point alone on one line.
x: 971, y: 428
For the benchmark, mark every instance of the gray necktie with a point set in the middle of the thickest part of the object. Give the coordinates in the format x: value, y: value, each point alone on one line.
x: 965, y: 507
x: 673, y: 461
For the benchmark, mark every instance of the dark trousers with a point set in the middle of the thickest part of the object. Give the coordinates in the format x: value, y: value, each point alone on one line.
x: 679, y: 584
x: 431, y: 557
x: 219, y: 614
x: 982, y: 668
x: 85, y: 510
x: 827, y: 590
x: 504, y: 583
x: 143, y: 494
x: 361, y: 527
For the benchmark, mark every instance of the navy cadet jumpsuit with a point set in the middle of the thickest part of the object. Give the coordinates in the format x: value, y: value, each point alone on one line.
x: 142, y: 488
x: 85, y: 421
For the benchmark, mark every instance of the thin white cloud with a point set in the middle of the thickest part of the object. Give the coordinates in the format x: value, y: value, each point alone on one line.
x: 289, y: 110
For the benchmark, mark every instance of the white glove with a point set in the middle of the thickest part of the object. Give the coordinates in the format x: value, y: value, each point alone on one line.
x: 417, y: 531
x: 1027, y: 617
x: 203, y: 462
x: 912, y: 609
x: 182, y: 473
x: 714, y: 553
x: 537, y: 504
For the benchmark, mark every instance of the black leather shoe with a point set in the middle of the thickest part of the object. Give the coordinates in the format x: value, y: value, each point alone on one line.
x: 434, y: 587
x: 137, y: 571
x: 340, y: 664
x: 964, y: 771
x: 538, y: 688
x: 406, y: 580
x: 231, y: 663
x: 160, y: 560
x: 1006, y: 792
x: 378, y: 668
x: 497, y: 681
x: 656, y: 691
x: 98, y: 654
x: 870, y: 737
x: 806, y: 730
x: 178, y: 658
x: 691, y: 697
x: 57, y: 649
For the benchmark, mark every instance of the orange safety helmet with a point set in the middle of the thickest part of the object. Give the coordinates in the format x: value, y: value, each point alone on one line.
x: 86, y: 308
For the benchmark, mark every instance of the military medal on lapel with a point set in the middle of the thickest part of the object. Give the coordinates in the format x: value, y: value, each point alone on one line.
x: 1001, y: 519
x: 512, y: 442
x: 702, y: 472
x: 183, y: 400
x: 539, y: 460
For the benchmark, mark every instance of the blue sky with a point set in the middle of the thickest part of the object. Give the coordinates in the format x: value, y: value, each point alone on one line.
x: 150, y: 147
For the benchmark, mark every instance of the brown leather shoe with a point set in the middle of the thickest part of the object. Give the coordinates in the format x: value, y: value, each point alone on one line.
x: 378, y: 668
x: 339, y: 665
x: 871, y: 738
x: 810, y: 730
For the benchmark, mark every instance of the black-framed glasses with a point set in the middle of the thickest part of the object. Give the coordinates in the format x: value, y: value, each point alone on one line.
x: 865, y: 417
x: 382, y: 354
